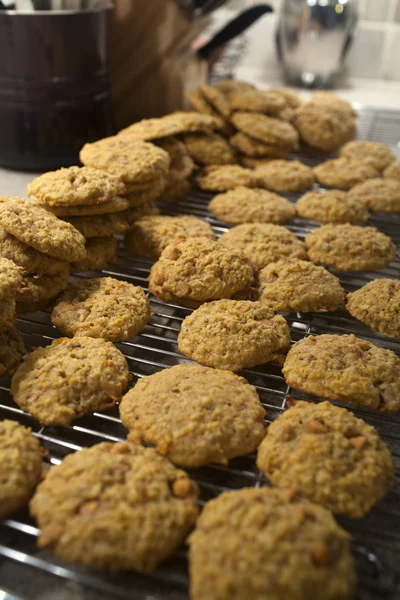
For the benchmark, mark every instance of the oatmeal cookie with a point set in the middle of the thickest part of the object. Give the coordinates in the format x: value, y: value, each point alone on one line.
x: 377, y: 304
x: 116, y: 204
x: 40, y: 229
x: 330, y: 101
x: 70, y: 378
x: 258, y: 101
x: 299, y: 286
x: 343, y: 173
x: 115, y: 506
x: 291, y: 97
x: 285, y: 176
x: 172, y: 124
x: 350, y: 248
x: 20, y: 466
x: 245, y: 205
x: 12, y: 349
x: 382, y: 195
x: 75, y: 186
x: 102, y: 307
x: 333, y: 206
x: 375, y: 154
x: 37, y: 289
x: 266, y: 129
x: 324, y: 129
x: 100, y: 225
x: 392, y: 171
x: 130, y: 159
x: 198, y: 270
x: 233, y: 86
x: 149, y: 236
x: 256, y: 543
x: 100, y: 253
x: 347, y: 369
x: 225, y: 177
x: 217, y: 99
x: 263, y: 243
x: 324, y: 454
x: 195, y: 415
x: 10, y: 279
x: 209, y: 149
x: 254, y: 148
x: 233, y: 335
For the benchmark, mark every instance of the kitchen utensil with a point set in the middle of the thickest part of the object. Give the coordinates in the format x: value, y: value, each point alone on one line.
x: 313, y: 38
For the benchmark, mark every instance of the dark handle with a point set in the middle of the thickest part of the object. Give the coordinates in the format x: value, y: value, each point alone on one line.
x: 234, y: 28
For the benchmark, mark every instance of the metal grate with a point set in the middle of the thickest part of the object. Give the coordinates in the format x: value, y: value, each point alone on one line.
x: 376, y: 537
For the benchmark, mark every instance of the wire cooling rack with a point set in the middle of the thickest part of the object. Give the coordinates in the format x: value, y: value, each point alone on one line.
x: 32, y: 574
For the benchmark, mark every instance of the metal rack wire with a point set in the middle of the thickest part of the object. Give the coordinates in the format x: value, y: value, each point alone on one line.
x: 376, y: 538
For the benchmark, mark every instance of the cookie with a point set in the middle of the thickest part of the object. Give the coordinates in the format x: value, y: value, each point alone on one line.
x: 7, y: 312
x: 209, y: 149
x: 343, y: 173
x: 256, y: 543
x: 233, y: 335
x: 347, y: 369
x: 392, y: 171
x: 377, y: 304
x: 266, y: 129
x: 100, y: 253
x: 382, y: 195
x: 254, y: 148
x: 285, y: 176
x: 75, y: 186
x: 37, y: 289
x: 182, y: 165
x: 324, y: 454
x: 195, y: 415
x: 330, y: 101
x: 10, y: 279
x: 27, y: 258
x: 116, y: 204
x: 263, y: 243
x: 233, y: 86
x: 150, y: 235
x: 115, y: 507
x: 198, y: 270
x: 132, y: 160
x: 20, y: 466
x: 12, y: 349
x: 200, y: 104
x: 70, y: 378
x: 245, y: 205
x: 225, y: 177
x: 375, y: 154
x: 172, y: 124
x: 324, y: 129
x: 258, y: 101
x: 217, y: 99
x: 102, y: 308
x: 333, y: 206
x: 350, y: 248
x: 291, y: 97
x: 40, y: 229
x: 299, y: 286
x: 100, y: 225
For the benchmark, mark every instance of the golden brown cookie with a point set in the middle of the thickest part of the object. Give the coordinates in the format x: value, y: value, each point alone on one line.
x: 254, y: 148
x: 266, y: 129
x: 12, y: 350
x: 258, y: 101
x: 100, y: 252
x: 392, y: 171
x: 285, y: 176
x: 149, y: 236
x: 75, y: 186
x: 246, y: 205
x: 209, y: 149
x: 324, y: 129
x: 116, y: 204
x: 329, y: 101
x: 100, y: 225
x: 102, y: 307
x: 381, y: 195
x: 20, y: 466
x: 10, y: 279
x: 115, y: 506
x: 173, y: 124
x: 258, y: 544
x: 37, y: 289
x: 233, y: 335
x: 195, y: 415
x: 217, y: 99
x: 332, y: 206
x: 343, y: 173
x: 324, y: 454
x: 198, y: 270
x: 350, y: 248
x: 225, y: 177
x: 70, y: 378
x: 263, y: 243
x: 299, y: 286
x: 347, y: 369
x: 40, y: 229
x: 377, y: 304
x: 375, y: 154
